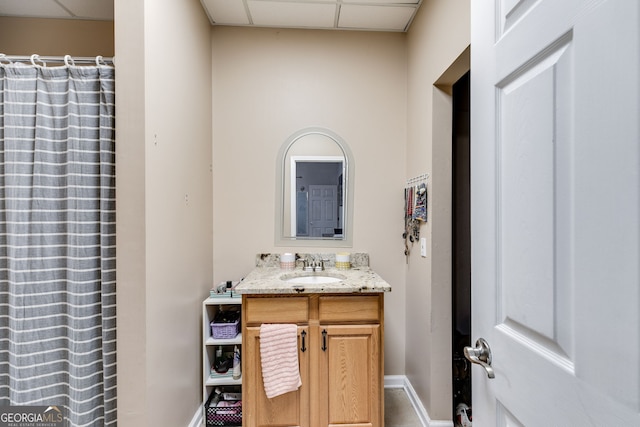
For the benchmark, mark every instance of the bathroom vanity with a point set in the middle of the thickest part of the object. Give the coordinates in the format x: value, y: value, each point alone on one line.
x: 340, y: 345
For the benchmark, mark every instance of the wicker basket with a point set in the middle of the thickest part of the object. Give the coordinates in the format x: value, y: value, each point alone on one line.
x: 227, y: 416
x: 225, y: 330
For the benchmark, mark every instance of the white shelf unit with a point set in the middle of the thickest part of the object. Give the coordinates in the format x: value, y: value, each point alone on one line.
x: 210, y: 307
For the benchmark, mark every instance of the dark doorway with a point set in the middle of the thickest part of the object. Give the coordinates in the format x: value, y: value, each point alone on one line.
x: 461, y: 244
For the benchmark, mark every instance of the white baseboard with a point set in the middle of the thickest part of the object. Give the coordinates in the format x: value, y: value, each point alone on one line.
x: 197, y: 419
x: 401, y: 381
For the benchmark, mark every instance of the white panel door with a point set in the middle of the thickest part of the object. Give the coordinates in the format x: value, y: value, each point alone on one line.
x: 555, y: 148
x: 323, y: 210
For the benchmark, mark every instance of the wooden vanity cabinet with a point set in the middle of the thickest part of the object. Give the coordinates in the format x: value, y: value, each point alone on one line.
x: 289, y: 409
x: 350, y: 360
x: 341, y: 366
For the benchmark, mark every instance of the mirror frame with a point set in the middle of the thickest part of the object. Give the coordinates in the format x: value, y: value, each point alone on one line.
x: 281, y: 239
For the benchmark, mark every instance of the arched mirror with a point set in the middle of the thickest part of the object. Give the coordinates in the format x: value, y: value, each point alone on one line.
x: 314, y: 182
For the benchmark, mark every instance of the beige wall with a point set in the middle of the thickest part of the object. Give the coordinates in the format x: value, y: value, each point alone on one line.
x: 130, y: 214
x: 438, y: 35
x: 55, y: 37
x: 164, y: 207
x: 179, y: 204
x: 270, y: 83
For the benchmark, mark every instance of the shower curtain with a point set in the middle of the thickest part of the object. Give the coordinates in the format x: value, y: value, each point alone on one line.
x: 57, y: 240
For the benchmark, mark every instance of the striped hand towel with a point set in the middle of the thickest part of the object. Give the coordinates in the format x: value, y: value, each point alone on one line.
x: 279, y: 358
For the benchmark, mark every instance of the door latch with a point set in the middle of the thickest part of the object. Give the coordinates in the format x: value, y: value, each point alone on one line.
x: 480, y: 355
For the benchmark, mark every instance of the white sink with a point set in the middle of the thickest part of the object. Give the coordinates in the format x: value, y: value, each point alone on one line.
x: 312, y: 279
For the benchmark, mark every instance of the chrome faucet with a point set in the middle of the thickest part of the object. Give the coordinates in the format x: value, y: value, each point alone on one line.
x: 314, y: 265
x: 308, y: 266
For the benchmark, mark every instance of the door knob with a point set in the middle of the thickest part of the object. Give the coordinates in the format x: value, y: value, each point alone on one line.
x: 481, y: 355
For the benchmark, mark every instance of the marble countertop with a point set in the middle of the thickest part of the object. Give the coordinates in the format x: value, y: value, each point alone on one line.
x: 269, y: 280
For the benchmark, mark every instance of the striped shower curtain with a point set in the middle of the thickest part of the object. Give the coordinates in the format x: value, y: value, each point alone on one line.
x: 57, y: 240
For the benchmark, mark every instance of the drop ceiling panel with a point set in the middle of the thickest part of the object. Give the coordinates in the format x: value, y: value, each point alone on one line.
x: 412, y: 2
x: 90, y: 9
x: 226, y: 12
x: 388, y: 18
x: 291, y: 14
x: 34, y: 8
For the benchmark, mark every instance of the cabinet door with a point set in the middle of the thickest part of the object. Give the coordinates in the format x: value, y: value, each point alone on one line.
x: 290, y: 409
x: 350, y: 376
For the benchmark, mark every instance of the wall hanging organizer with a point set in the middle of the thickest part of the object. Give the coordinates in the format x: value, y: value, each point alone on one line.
x: 415, y: 210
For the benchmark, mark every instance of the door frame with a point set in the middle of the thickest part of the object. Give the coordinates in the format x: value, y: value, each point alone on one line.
x: 441, y: 213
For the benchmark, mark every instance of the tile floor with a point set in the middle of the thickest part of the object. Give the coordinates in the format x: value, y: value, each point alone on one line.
x: 398, y: 411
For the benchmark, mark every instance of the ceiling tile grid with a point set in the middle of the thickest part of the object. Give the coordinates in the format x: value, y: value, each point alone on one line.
x: 373, y: 15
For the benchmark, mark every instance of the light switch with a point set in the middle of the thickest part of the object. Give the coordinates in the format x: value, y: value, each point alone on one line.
x: 423, y: 247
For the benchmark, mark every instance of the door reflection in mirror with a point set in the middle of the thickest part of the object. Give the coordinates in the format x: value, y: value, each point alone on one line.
x: 318, y: 192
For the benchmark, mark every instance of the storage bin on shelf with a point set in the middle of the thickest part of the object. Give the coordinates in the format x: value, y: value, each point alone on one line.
x: 223, y: 415
x: 225, y: 324
x: 225, y: 330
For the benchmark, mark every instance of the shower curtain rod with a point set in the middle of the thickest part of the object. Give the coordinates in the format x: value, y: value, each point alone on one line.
x: 42, y: 60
